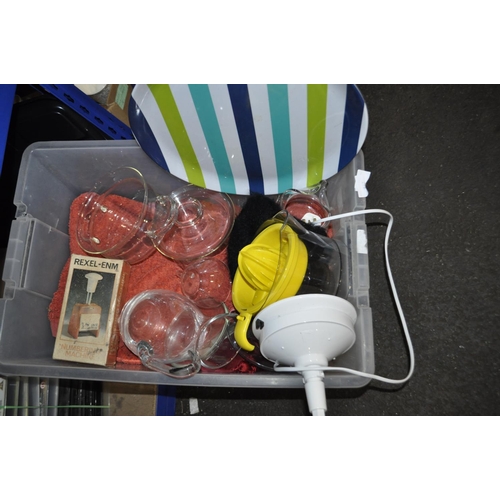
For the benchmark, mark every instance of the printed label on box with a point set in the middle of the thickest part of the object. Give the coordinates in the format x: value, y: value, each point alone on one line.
x: 89, y: 322
x: 88, y: 330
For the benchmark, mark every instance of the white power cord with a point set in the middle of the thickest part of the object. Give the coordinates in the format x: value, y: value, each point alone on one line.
x: 396, y: 299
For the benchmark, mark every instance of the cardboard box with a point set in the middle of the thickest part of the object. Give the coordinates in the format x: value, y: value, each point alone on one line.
x: 88, y: 326
x: 118, y: 101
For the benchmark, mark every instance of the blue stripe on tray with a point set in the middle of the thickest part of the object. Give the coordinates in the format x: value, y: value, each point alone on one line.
x: 210, y: 125
x: 280, y: 121
x: 143, y: 130
x: 240, y: 101
x: 353, y: 117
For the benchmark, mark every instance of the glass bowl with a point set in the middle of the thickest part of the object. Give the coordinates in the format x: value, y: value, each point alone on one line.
x: 122, y: 216
x: 206, y: 282
x: 170, y: 334
x: 204, y: 220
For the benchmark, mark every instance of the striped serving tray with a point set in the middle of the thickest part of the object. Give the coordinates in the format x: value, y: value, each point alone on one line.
x: 246, y: 139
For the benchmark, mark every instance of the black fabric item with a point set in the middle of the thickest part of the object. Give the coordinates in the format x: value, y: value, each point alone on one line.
x: 256, y: 210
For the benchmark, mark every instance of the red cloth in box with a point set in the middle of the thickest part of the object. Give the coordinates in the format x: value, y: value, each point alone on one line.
x: 155, y: 272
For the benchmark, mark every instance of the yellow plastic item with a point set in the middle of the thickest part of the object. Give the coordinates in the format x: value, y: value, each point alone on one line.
x: 270, y: 268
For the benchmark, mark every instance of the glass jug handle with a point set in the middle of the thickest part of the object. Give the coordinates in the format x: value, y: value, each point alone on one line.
x: 180, y: 368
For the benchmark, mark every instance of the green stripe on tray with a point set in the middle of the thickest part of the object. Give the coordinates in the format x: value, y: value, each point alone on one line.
x: 170, y: 112
x: 316, y: 126
x: 210, y: 125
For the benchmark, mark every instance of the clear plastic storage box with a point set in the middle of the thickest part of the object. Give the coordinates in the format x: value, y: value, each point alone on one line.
x: 51, y: 176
